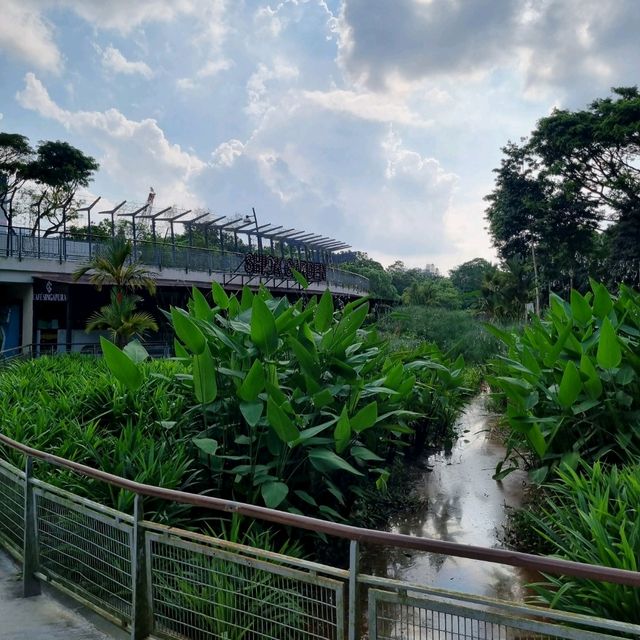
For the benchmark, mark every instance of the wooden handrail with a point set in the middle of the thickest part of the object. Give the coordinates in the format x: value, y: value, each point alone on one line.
x: 499, y: 556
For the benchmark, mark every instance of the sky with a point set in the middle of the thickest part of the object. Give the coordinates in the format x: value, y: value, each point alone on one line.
x: 376, y: 122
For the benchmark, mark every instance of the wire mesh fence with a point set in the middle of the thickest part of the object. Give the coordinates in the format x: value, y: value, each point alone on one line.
x: 89, y: 551
x: 202, y: 592
x: 397, y: 616
x: 11, y: 508
x: 197, y: 587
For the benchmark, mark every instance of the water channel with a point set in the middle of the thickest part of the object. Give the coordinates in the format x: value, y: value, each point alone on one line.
x: 462, y: 504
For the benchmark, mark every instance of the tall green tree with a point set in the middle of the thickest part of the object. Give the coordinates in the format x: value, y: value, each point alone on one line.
x: 15, y: 156
x: 577, y: 173
x: 468, y: 278
x: 380, y: 283
x: 40, y: 186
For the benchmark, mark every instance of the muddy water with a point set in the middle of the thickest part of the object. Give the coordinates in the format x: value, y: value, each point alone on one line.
x: 463, y: 504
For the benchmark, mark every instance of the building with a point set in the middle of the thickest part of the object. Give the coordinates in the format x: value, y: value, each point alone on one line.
x: 42, y: 306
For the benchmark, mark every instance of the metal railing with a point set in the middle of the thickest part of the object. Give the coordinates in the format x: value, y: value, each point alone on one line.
x: 173, y: 583
x: 22, y: 244
x: 34, y: 350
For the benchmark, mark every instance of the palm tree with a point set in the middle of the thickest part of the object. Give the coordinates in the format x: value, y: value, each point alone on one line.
x: 116, y: 268
x: 121, y: 319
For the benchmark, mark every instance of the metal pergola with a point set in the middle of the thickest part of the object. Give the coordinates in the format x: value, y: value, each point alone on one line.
x: 220, y: 230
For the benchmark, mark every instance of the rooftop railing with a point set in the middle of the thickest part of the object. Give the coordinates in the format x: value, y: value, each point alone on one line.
x: 73, y: 247
x: 171, y: 583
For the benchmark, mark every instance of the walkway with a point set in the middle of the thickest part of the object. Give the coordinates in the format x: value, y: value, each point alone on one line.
x: 43, y: 617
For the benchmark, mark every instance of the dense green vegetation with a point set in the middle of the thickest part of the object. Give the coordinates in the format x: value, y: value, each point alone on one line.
x: 572, y: 381
x: 591, y: 515
x: 295, y: 406
x: 570, y: 387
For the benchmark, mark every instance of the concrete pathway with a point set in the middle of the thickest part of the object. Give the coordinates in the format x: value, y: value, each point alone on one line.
x: 45, y: 617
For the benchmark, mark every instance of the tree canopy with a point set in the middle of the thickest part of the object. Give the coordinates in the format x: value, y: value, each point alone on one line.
x: 575, y: 176
x: 38, y: 187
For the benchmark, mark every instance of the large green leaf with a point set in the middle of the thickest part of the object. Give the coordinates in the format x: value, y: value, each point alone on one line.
x: 322, y: 398
x: 593, y: 384
x: 220, y: 296
x: 204, y: 377
x: 253, y: 382
x: 365, y: 418
x: 324, y: 312
x: 246, y: 299
x: 187, y: 330
x: 206, y: 445
x: 305, y: 358
x: 580, y: 308
x: 136, y: 351
x: 602, y: 302
x: 300, y: 279
x: 281, y: 423
x: 326, y: 461
x: 342, y: 432
x: 365, y: 455
x: 201, y: 307
x: 609, y: 353
x: 537, y: 441
x: 252, y: 412
x: 121, y: 365
x: 273, y: 493
x: 570, y: 385
x: 263, y: 327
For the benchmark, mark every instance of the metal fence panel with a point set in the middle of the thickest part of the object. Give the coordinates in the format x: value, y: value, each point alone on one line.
x: 87, y: 550
x: 202, y: 592
x: 397, y: 616
x: 11, y: 508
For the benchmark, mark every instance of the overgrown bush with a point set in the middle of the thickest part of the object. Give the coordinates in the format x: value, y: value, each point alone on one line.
x: 455, y: 332
x: 591, y: 515
x: 297, y: 406
x: 571, y: 382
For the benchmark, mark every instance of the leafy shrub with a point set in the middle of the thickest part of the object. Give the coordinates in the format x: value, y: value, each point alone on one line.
x: 571, y: 381
x: 592, y: 517
x: 455, y: 332
x: 298, y: 406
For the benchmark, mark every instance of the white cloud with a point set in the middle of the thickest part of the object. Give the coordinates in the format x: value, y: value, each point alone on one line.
x: 258, y: 99
x: 367, y: 105
x: 26, y: 35
x: 226, y: 153
x: 114, y: 61
x: 124, y: 15
x: 208, y: 70
x: 134, y: 153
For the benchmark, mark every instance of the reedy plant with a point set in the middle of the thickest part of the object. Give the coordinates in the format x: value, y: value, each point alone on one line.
x: 590, y: 515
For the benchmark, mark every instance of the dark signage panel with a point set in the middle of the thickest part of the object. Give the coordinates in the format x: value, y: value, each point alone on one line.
x: 50, y: 291
x: 255, y: 264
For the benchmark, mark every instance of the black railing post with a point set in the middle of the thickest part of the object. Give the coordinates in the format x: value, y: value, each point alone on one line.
x: 141, y: 604
x: 30, y: 584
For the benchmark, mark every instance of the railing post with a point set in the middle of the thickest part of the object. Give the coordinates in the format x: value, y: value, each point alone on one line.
x: 354, y: 609
x: 30, y: 584
x: 141, y: 605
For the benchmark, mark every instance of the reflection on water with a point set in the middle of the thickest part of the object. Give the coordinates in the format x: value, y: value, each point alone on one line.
x: 465, y: 505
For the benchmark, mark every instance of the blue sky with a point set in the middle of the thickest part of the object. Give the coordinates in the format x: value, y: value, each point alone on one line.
x: 373, y: 121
